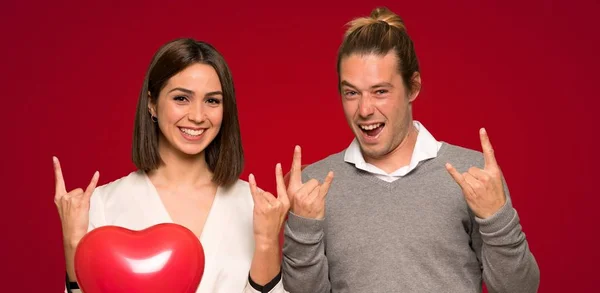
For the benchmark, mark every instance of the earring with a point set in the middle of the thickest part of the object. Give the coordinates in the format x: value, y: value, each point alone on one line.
x: 154, y: 119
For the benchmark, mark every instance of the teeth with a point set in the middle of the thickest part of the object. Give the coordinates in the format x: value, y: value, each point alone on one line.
x: 370, y: 127
x: 192, y: 132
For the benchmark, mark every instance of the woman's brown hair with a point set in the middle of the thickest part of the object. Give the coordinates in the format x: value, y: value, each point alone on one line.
x: 224, y: 155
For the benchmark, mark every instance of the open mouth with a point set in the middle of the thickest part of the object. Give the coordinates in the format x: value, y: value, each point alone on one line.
x: 372, y: 130
x: 191, y: 132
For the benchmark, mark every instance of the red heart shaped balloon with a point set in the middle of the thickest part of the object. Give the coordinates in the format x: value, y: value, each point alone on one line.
x: 162, y: 258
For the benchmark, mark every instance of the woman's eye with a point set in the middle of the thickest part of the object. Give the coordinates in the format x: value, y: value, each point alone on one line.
x: 213, y: 101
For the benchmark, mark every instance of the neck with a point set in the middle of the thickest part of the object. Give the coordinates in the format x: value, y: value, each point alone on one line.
x: 179, y: 169
x: 400, y: 156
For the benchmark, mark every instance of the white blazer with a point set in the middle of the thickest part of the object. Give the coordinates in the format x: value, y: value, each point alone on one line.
x: 227, y: 238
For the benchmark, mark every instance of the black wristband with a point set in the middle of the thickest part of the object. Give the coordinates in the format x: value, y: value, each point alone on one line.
x: 70, y: 285
x: 266, y: 288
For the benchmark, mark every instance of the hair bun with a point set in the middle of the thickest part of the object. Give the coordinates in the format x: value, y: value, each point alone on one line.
x: 383, y: 14
x: 380, y: 15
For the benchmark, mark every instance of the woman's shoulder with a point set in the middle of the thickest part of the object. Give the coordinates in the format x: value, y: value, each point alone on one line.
x: 239, y: 186
x: 119, y: 197
x: 238, y: 193
x: 128, y: 183
x: 238, y: 189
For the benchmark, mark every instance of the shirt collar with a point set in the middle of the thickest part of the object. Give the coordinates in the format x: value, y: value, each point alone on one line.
x: 426, y: 147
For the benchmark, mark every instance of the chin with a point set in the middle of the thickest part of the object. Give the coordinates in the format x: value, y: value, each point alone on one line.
x: 193, y: 154
x: 191, y: 151
x: 373, y: 154
x: 371, y: 151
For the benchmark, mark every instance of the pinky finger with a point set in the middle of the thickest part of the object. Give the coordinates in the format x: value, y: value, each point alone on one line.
x: 90, y: 189
x: 459, y: 178
x: 253, y: 189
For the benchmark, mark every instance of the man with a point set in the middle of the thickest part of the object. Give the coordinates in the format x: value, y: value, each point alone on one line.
x: 399, y: 217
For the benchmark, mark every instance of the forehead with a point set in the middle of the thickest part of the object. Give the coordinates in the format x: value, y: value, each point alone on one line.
x: 197, y: 77
x: 369, y: 68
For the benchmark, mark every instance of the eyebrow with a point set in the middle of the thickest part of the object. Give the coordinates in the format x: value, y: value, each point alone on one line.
x: 379, y: 85
x: 382, y: 84
x: 345, y: 83
x: 190, y: 92
x: 182, y: 90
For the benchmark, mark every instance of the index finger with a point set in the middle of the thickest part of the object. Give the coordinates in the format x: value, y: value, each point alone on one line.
x: 488, y: 151
x: 58, y: 178
x: 296, y: 170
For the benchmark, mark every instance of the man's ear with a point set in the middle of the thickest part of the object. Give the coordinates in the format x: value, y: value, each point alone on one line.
x: 415, y: 81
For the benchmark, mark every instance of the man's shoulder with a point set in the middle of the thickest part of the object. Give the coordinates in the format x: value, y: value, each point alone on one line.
x: 460, y: 157
x: 334, y: 162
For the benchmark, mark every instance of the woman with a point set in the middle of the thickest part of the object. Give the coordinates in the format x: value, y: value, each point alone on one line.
x: 188, y: 151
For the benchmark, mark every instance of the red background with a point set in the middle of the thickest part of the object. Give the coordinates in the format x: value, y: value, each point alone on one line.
x: 527, y: 71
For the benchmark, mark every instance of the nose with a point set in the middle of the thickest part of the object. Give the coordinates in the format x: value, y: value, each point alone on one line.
x: 196, y: 113
x: 365, y: 106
